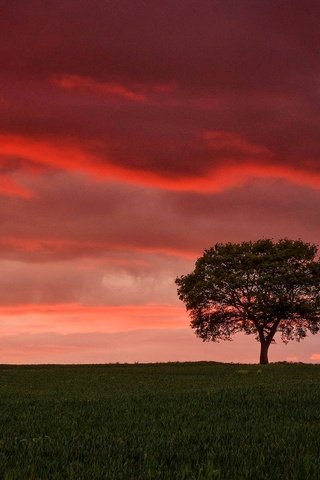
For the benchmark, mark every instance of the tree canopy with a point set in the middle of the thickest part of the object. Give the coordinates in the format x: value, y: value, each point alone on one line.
x: 259, y: 288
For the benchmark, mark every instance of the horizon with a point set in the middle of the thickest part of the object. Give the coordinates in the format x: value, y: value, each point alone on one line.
x: 258, y: 365
x: 133, y: 136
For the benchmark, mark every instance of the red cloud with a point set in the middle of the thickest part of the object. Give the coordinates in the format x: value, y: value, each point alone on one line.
x: 108, y: 89
x: 74, y: 247
x: 10, y: 188
x: 72, y: 216
x: 140, y: 93
x: 72, y: 156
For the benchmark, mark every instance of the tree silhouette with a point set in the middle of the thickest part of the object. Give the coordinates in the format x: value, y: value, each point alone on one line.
x: 258, y: 288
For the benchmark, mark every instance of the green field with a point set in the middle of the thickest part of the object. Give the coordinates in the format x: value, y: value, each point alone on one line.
x: 164, y: 421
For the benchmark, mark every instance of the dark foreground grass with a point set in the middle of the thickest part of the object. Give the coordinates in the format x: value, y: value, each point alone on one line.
x: 167, y: 421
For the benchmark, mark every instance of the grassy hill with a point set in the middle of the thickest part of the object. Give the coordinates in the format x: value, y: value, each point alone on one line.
x: 160, y: 421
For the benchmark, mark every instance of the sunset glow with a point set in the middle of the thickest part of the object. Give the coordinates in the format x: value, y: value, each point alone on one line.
x: 133, y: 135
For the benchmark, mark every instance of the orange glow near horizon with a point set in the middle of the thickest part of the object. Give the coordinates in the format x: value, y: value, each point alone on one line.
x: 76, y: 318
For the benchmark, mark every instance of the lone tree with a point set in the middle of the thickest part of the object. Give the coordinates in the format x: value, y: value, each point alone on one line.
x: 258, y: 288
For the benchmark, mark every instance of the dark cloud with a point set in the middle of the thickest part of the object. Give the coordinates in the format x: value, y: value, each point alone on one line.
x: 149, y: 79
x: 236, y: 42
x: 70, y: 217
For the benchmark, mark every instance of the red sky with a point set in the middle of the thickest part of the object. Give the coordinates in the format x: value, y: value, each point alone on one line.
x: 134, y: 134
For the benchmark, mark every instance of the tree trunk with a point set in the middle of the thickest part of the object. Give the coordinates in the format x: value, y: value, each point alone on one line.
x: 264, y: 353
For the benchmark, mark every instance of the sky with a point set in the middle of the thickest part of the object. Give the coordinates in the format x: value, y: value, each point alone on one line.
x: 133, y: 135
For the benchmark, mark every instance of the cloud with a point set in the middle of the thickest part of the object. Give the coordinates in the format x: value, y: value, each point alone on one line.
x: 78, y: 242
x: 166, y: 41
x: 88, y: 85
x: 90, y: 282
x: 235, y: 160
x: 9, y: 187
x: 201, y: 107
x: 71, y: 217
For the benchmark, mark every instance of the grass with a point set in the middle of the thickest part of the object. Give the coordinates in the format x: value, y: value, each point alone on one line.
x: 192, y: 421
